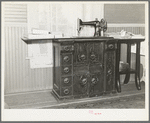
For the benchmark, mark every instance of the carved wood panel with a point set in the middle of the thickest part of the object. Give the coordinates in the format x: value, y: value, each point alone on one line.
x: 110, y: 70
x: 88, y: 84
x: 96, y: 84
x: 95, y: 52
x: 80, y: 53
x: 89, y: 69
x: 80, y: 85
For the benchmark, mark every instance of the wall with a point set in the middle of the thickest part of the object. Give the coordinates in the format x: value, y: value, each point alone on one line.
x: 19, y: 77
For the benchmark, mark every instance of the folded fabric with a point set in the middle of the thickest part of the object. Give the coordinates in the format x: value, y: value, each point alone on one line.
x: 123, y: 66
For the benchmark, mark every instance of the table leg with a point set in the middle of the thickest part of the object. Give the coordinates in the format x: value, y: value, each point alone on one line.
x: 127, y: 76
x: 137, y: 74
x: 118, y: 85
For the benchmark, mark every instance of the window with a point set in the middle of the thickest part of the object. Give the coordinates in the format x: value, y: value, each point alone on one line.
x: 15, y: 13
x: 124, y: 13
x: 63, y: 18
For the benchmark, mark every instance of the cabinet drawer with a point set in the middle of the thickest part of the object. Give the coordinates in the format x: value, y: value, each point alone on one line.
x: 67, y: 48
x: 66, y: 70
x: 111, y: 46
x: 66, y: 91
x: 66, y: 81
x: 66, y: 59
x: 110, y: 65
x: 96, y: 84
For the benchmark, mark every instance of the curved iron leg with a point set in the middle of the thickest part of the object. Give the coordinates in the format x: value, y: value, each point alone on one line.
x: 118, y: 85
x: 137, y: 82
x: 137, y: 74
x: 127, y: 77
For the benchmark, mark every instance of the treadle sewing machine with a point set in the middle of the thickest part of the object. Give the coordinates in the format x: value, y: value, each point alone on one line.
x: 100, y: 26
x: 89, y: 66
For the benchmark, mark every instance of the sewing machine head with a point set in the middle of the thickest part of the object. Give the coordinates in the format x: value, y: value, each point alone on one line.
x: 100, y: 26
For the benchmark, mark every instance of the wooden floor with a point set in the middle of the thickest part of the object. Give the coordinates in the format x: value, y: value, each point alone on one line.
x: 44, y: 99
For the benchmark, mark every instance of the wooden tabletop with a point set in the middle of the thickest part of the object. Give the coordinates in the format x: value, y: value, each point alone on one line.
x: 85, y: 39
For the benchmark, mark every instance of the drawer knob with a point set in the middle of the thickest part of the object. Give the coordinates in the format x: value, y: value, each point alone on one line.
x: 66, y: 48
x: 72, y: 48
x: 82, y: 56
x: 110, y: 46
x: 66, y: 80
x: 66, y: 91
x: 109, y: 71
x: 66, y: 69
x: 93, y: 56
x: 66, y: 58
x: 94, y: 81
x: 84, y: 81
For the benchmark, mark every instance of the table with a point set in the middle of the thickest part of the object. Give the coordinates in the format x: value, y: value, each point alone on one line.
x: 127, y: 73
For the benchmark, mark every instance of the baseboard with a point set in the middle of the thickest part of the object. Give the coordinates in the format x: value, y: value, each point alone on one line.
x: 28, y: 92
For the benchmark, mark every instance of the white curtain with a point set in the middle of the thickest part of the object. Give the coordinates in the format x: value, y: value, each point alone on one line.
x: 62, y: 17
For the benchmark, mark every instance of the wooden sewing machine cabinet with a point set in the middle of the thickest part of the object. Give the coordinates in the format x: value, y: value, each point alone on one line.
x: 89, y: 66
x: 84, y: 67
